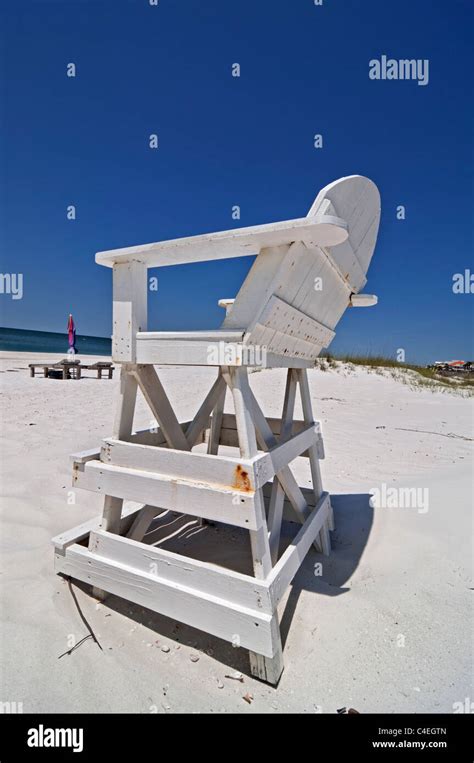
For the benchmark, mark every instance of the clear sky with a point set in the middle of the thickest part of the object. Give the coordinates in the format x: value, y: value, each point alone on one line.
x: 223, y: 141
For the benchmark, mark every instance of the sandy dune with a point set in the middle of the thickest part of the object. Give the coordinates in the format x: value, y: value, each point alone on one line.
x: 385, y: 628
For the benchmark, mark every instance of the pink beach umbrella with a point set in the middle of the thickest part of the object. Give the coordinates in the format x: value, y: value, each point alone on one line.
x: 71, y: 332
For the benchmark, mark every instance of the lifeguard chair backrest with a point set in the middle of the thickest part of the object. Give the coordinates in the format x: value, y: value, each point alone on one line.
x: 293, y: 297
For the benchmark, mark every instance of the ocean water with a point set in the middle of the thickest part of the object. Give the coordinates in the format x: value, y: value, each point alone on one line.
x: 24, y: 340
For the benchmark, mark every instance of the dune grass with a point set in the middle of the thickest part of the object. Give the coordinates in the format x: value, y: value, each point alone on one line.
x: 421, y: 376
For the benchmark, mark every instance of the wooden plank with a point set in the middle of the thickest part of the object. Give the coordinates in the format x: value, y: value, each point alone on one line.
x: 216, y: 422
x: 291, y: 559
x: 330, y: 303
x: 291, y: 276
x: 323, y: 230
x: 275, y: 511
x: 229, y: 435
x: 148, y: 437
x: 157, y: 399
x: 358, y: 199
x: 287, y: 481
x: 324, y: 302
x: 130, y: 290
x: 237, y: 381
x: 266, y: 669
x: 142, y: 522
x: 226, y: 304
x: 125, y: 403
x: 257, y: 287
x: 363, y: 300
x: 212, y: 579
x: 223, y: 471
x: 321, y: 542
x: 284, y: 319
x: 273, y: 269
x: 283, y: 276
x: 261, y: 665
x: 233, y: 506
x: 142, y: 437
x: 313, y: 450
x: 297, y: 425
x: 284, y: 454
x: 324, y: 537
x: 218, y: 335
x: 289, y: 514
x: 123, y: 424
x: 201, y: 419
x: 153, y: 349
x: 83, y: 456
x: 211, y: 614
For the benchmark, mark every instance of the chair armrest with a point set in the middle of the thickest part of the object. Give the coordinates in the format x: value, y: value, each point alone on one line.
x: 317, y: 230
x: 226, y: 303
x: 363, y: 300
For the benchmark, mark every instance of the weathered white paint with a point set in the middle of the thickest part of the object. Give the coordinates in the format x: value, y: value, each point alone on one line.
x: 210, y: 613
x: 277, y: 498
x: 319, y: 230
x: 156, y: 398
x: 224, y: 471
x: 282, y: 309
x: 207, y: 578
x: 198, y: 499
x: 290, y: 561
x: 363, y: 300
x: 280, y: 323
x: 129, y: 309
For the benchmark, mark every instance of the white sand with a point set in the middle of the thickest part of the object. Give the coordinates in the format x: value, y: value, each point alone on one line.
x: 386, y: 628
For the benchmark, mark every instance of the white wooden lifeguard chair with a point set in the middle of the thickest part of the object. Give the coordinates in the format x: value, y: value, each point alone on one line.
x: 278, y: 319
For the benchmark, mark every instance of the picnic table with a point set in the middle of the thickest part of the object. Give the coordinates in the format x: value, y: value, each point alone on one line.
x: 100, y: 367
x: 71, y: 369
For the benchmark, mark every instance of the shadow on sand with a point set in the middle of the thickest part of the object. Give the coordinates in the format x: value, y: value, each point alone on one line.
x: 353, y: 519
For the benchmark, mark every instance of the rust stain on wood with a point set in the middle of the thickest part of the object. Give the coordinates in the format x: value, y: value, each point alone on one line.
x: 241, y: 479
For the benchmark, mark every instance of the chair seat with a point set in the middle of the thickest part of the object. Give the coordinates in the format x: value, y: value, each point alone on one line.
x: 218, y: 335
x: 210, y: 348
x: 200, y: 348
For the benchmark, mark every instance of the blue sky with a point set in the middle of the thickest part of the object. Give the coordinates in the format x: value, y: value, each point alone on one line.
x: 227, y: 141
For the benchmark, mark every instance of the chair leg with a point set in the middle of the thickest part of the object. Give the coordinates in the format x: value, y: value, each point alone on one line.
x: 277, y: 498
x: 123, y: 424
x: 142, y: 522
x: 324, y: 539
x: 266, y: 668
x: 216, y: 423
x: 201, y: 419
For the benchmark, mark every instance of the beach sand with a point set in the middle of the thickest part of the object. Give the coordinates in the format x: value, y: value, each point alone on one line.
x: 386, y: 628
